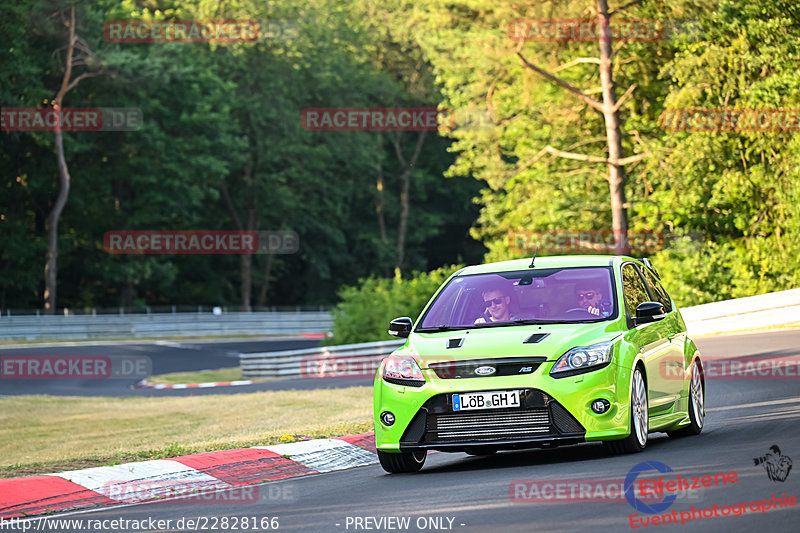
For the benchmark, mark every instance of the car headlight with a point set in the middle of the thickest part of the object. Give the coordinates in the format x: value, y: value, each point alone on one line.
x: 583, y: 359
x: 403, y: 370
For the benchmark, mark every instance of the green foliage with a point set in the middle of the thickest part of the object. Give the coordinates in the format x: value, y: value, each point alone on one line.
x: 225, y: 118
x: 365, y: 310
x: 738, y: 191
x: 221, y: 119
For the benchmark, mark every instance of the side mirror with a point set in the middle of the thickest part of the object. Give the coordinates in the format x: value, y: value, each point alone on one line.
x: 400, y: 327
x: 647, y: 312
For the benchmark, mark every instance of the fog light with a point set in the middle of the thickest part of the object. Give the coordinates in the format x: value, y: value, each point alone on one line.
x: 600, y: 406
x: 387, y: 418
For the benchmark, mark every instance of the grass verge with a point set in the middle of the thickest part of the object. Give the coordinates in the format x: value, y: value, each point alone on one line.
x: 45, y: 434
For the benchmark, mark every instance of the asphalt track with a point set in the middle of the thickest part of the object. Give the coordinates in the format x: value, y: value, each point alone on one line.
x: 744, y: 419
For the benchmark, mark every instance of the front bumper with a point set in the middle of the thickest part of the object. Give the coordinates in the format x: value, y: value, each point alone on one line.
x: 553, y: 412
x: 540, y: 421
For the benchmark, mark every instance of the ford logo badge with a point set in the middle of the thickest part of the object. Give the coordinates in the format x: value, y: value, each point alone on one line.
x: 484, y: 370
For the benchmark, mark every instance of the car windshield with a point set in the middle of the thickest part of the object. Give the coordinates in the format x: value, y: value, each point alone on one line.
x: 554, y: 295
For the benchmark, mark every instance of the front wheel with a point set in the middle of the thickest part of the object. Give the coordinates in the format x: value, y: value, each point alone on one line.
x: 640, y: 420
x: 403, y: 462
x: 697, y: 408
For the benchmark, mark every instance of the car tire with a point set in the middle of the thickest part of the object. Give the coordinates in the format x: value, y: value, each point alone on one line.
x: 403, y: 462
x: 697, y: 407
x: 636, y: 441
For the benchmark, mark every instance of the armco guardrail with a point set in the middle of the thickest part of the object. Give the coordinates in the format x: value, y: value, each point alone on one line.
x: 162, y: 325
x: 345, y: 360
x: 754, y: 312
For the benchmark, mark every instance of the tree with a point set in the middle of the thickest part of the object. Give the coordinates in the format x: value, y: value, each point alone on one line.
x: 610, y: 108
x: 78, y: 53
x: 406, y: 170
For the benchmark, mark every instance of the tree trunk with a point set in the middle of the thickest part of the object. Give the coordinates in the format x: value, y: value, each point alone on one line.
x: 262, y: 295
x: 402, y: 226
x: 51, y: 265
x: 245, y: 287
x: 379, y: 203
x: 126, y: 295
x: 609, y: 107
x: 51, y: 258
x: 405, y: 179
x: 245, y: 260
x: 616, y: 171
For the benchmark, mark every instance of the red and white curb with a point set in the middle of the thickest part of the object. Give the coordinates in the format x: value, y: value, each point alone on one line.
x: 182, y: 477
x: 144, y: 384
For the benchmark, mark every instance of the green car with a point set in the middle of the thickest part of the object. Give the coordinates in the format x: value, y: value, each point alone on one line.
x: 522, y: 354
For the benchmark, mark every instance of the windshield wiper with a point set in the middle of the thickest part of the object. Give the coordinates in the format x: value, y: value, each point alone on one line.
x: 535, y: 322
x: 440, y: 328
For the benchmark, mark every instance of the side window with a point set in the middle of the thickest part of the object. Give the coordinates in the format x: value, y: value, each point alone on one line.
x: 657, y: 290
x: 633, y: 289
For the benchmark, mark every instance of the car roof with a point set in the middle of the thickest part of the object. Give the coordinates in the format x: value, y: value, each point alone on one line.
x: 559, y: 261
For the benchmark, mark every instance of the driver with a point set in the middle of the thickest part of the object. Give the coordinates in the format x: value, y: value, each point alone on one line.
x: 498, y: 305
x: 590, y: 297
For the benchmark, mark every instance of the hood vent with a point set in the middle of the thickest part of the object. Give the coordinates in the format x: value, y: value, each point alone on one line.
x: 536, y: 337
x: 455, y: 343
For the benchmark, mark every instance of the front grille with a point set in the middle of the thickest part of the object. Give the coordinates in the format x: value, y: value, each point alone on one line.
x: 563, y: 420
x: 512, y: 366
x: 538, y: 417
x: 488, y: 425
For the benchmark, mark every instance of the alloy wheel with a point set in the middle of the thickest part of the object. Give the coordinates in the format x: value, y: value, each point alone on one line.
x: 639, y: 406
x: 696, y: 391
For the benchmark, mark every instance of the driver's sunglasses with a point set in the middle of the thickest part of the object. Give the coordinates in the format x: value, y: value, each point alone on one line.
x: 585, y: 295
x: 493, y: 301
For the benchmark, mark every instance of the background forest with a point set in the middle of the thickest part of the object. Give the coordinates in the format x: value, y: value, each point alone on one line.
x: 222, y: 147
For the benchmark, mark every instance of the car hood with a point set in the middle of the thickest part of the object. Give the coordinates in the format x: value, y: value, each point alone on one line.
x: 506, y: 341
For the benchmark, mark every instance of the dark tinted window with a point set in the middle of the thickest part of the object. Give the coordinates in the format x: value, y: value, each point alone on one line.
x: 633, y: 289
x: 657, y: 290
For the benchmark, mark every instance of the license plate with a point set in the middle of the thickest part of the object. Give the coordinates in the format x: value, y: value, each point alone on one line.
x: 485, y: 400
